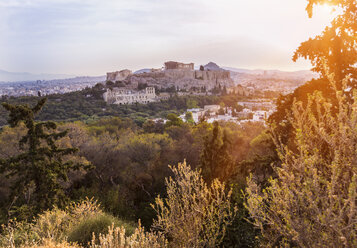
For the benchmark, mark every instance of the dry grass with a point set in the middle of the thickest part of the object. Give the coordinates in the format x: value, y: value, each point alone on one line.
x: 116, y: 238
x: 48, y: 243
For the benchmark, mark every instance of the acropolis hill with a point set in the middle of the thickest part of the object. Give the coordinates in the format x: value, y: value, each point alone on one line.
x: 179, y: 75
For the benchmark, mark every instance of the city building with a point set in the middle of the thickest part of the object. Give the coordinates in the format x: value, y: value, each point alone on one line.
x: 212, y: 108
x: 197, y: 114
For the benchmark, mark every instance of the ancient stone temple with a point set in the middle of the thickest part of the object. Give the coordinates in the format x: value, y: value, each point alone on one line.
x: 172, y: 65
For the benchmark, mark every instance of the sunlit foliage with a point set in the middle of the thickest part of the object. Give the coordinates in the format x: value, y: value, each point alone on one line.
x: 312, y: 202
x: 193, y: 214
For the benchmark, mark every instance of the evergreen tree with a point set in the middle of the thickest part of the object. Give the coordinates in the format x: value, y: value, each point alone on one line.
x: 216, y: 161
x: 189, y: 118
x: 39, y: 171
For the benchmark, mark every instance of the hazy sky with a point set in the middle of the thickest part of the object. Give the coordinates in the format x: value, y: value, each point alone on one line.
x: 91, y: 37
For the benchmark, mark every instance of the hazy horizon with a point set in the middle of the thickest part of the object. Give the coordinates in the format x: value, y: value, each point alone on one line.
x: 94, y: 37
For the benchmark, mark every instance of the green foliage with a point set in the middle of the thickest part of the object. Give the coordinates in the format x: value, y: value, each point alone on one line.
x: 311, y: 202
x: 153, y: 127
x: 82, y: 233
x: 333, y: 51
x: 51, y: 225
x: 189, y: 117
x: 193, y: 214
x: 130, y: 164
x: 241, y: 232
x: 14, y: 234
x: 40, y: 168
x: 88, y: 104
x: 335, y: 48
x: 117, y: 238
x: 216, y: 160
x: 191, y: 103
x: 173, y: 120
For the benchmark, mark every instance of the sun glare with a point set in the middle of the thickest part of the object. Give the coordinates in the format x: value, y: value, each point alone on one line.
x: 327, y: 8
x: 326, y: 11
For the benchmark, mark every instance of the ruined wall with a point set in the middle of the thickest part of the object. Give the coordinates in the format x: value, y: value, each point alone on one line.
x: 183, y: 79
x: 212, y: 75
x: 173, y: 65
x: 179, y: 74
x: 118, y: 75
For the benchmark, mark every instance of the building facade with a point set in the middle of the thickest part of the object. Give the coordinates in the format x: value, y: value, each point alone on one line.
x: 212, y: 108
x: 124, y: 96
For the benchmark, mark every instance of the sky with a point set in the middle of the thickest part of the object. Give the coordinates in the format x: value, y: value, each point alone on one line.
x: 92, y: 37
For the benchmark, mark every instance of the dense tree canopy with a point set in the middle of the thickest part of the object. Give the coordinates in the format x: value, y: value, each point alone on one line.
x: 40, y: 166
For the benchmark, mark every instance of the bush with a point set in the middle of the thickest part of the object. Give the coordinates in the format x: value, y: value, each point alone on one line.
x: 117, y: 238
x: 48, y: 243
x: 194, y: 214
x: 95, y: 225
x: 51, y: 225
x: 312, y: 200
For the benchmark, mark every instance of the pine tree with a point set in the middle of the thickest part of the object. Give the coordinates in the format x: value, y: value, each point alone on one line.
x: 39, y: 171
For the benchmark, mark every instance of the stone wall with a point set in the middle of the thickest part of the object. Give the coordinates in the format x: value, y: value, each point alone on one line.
x: 212, y: 75
x: 182, y: 79
x: 118, y: 75
x: 173, y: 65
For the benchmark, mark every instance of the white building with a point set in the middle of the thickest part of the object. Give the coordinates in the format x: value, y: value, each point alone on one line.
x: 124, y: 96
x: 197, y: 114
x: 259, y: 116
x: 212, y: 108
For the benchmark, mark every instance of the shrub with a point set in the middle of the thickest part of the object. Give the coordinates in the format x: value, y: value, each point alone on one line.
x: 312, y: 202
x: 83, y: 232
x: 116, y: 238
x: 49, y: 243
x: 50, y: 225
x: 193, y: 214
x: 15, y: 234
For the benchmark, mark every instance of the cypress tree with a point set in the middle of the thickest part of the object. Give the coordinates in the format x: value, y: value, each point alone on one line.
x: 216, y: 161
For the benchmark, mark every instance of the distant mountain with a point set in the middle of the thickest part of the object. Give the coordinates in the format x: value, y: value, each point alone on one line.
x: 303, y: 74
x: 84, y: 79
x: 270, y: 72
x: 240, y: 70
x: 142, y: 71
x: 211, y: 66
x: 6, y: 76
